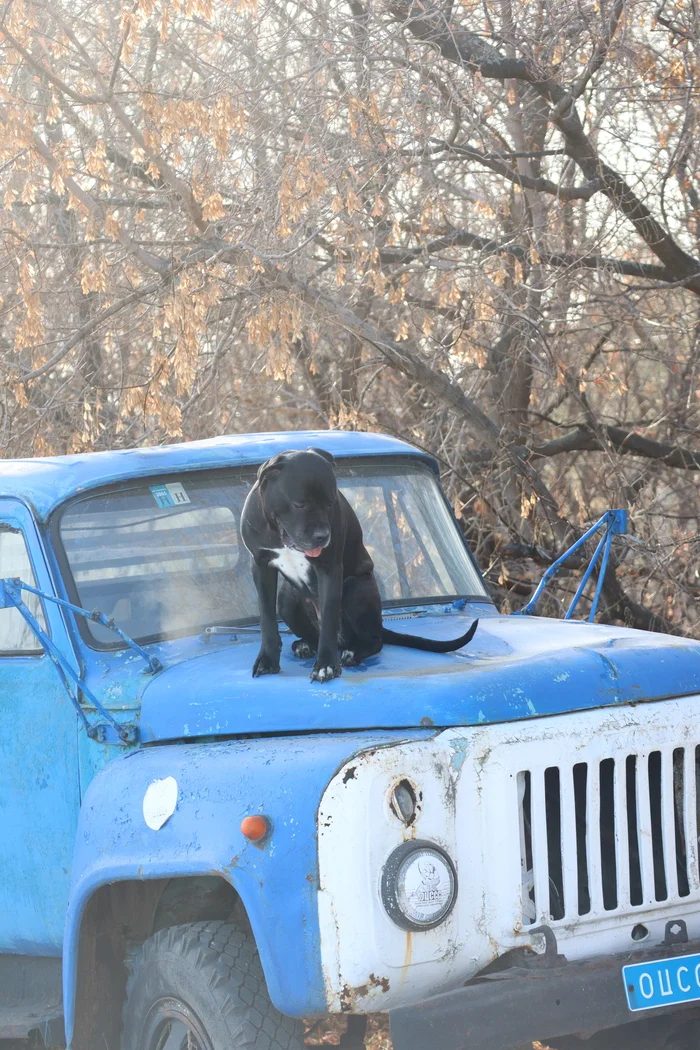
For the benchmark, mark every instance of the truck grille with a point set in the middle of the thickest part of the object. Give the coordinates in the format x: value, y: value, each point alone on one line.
x: 611, y: 835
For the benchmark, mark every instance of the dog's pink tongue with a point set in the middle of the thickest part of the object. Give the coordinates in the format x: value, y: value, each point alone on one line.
x: 314, y: 553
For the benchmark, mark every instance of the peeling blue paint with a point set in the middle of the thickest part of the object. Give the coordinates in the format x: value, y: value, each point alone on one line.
x: 219, y: 784
x: 460, y: 750
x: 511, y: 670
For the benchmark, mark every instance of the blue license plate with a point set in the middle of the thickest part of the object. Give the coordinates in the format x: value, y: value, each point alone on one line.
x: 663, y: 982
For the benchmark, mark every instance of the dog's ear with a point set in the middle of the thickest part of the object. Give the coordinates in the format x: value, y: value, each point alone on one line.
x: 271, y: 467
x: 322, y: 452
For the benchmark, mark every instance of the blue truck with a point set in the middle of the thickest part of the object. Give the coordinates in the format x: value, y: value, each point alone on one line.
x: 492, y: 846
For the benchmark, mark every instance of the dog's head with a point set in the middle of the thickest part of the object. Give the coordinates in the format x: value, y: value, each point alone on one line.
x: 299, y: 492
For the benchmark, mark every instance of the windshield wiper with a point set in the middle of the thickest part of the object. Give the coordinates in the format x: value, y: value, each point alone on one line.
x: 210, y: 633
x: 11, y: 597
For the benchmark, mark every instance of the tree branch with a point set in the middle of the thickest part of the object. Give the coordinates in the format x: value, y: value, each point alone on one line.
x: 490, y: 246
x: 92, y: 205
x: 625, y: 442
x: 601, y: 49
x: 624, y: 608
x: 461, y: 46
x: 541, y: 185
x: 44, y: 71
x: 583, y: 439
x: 170, y: 176
x: 408, y: 360
x: 87, y: 329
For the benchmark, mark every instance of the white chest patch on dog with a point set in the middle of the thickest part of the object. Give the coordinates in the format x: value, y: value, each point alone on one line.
x: 293, y: 565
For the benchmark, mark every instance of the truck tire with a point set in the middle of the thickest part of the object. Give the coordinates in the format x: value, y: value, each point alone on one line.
x: 201, y: 987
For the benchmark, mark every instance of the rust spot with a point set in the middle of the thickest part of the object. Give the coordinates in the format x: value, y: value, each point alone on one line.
x: 409, y: 833
x: 310, y: 878
x: 233, y: 863
x: 483, y: 758
x: 379, y: 982
x: 426, y: 721
x: 349, y: 774
x: 407, y: 955
x: 348, y: 994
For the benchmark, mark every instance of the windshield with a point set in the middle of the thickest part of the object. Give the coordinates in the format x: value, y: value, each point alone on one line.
x: 165, y: 558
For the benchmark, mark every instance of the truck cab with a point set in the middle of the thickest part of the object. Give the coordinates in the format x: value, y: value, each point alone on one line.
x: 193, y: 858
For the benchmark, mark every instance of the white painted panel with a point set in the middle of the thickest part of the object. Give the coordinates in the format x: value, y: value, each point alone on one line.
x: 668, y: 823
x: 568, y: 841
x: 467, y: 780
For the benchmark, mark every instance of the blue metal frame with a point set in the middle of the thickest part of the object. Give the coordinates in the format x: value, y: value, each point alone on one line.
x: 613, y: 523
x: 11, y: 596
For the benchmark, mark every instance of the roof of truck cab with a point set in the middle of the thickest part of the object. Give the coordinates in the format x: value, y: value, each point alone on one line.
x: 46, y: 482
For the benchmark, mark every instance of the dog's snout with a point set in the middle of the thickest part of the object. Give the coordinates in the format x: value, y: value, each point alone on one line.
x: 320, y: 537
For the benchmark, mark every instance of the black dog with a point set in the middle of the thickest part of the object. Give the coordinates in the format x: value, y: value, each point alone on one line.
x: 297, y: 523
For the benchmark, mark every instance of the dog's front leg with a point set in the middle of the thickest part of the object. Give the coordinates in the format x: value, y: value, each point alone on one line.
x: 330, y: 594
x: 268, y: 659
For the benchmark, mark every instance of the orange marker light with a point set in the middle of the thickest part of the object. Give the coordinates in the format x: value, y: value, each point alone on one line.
x: 255, y: 828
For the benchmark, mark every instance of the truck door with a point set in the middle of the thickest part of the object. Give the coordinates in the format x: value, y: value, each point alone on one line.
x: 39, y: 793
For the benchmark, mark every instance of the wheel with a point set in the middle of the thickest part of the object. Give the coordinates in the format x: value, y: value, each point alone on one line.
x: 201, y: 987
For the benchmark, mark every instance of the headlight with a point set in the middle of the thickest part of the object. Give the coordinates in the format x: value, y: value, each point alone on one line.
x: 419, y: 885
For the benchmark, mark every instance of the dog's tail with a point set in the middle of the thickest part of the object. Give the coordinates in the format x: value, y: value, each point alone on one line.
x: 428, y: 645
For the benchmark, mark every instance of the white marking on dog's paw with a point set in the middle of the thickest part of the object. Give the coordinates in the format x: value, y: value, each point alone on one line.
x: 324, y: 674
x: 347, y: 658
x: 303, y: 651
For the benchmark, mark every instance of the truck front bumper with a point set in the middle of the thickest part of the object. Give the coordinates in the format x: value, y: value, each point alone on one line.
x: 517, y: 1006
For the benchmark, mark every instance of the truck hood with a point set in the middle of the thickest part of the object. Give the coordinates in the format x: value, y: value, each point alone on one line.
x: 515, y: 667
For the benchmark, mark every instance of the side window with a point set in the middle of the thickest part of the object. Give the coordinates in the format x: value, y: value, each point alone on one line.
x: 16, y: 636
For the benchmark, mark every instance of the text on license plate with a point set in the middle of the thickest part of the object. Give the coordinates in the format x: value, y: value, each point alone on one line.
x: 663, y: 982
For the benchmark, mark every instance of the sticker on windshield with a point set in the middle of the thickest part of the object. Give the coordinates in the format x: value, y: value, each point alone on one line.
x: 169, y: 495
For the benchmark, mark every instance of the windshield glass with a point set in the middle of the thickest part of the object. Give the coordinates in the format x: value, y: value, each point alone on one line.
x: 165, y: 558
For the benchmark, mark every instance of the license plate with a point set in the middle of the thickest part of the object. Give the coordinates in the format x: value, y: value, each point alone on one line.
x: 663, y: 982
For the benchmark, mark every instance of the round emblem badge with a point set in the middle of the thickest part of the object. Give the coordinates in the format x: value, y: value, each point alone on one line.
x: 418, y: 885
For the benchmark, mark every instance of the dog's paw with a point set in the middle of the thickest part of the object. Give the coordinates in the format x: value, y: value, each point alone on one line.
x: 348, y: 658
x: 324, y: 674
x: 303, y: 650
x: 266, y: 664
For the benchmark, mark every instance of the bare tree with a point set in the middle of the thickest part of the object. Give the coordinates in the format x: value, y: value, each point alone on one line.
x: 474, y: 225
